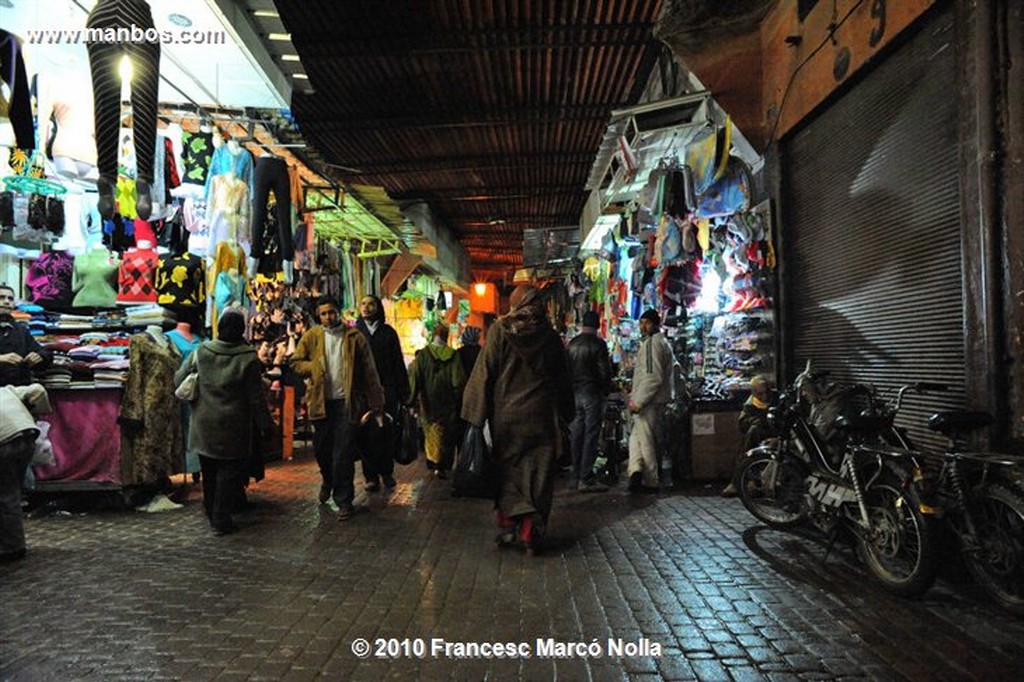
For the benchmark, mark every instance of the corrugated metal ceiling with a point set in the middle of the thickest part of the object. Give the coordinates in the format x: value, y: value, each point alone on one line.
x: 492, y: 111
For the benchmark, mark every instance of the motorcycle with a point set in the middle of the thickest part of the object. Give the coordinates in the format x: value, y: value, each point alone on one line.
x: 834, y: 466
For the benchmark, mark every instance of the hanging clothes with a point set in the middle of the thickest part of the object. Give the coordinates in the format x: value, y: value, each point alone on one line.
x: 104, y: 58
x: 229, y: 260
x: 19, y: 108
x: 49, y: 279
x: 196, y: 156
x: 230, y: 159
x: 228, y: 210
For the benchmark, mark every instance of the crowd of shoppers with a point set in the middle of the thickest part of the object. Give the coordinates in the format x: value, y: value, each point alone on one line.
x: 542, y: 400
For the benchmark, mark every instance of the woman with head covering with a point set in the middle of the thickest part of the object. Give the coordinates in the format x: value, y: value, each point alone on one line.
x: 521, y: 385
x: 470, y: 349
x: 227, y: 417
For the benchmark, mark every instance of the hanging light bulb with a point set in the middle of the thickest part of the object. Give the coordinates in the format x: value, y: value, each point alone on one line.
x: 124, y: 69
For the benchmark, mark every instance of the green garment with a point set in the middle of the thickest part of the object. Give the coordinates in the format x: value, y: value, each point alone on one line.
x: 436, y: 379
x: 94, y: 279
x: 231, y: 403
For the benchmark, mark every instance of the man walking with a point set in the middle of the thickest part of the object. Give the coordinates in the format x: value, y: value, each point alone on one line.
x: 652, y: 390
x: 436, y: 380
x: 378, y: 457
x: 343, y: 386
x: 591, y: 381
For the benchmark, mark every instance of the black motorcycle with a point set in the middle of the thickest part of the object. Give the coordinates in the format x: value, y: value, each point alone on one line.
x: 833, y: 464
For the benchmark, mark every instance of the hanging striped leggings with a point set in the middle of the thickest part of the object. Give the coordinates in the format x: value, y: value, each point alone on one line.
x: 105, y: 60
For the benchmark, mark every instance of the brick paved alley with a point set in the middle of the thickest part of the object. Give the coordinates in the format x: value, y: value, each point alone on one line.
x: 124, y: 595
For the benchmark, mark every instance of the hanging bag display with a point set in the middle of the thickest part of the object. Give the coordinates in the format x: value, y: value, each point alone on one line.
x: 188, y: 389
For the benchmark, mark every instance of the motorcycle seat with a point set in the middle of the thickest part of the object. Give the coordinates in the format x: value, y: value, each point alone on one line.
x: 962, y: 421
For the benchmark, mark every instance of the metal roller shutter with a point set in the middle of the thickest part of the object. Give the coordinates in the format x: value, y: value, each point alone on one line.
x: 874, y: 282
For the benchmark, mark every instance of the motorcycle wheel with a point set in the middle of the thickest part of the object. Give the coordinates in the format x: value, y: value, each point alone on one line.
x: 898, y: 549
x: 773, y: 490
x: 998, y: 564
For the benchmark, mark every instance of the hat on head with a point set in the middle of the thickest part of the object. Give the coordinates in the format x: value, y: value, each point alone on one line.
x: 590, y: 319
x: 651, y: 315
x: 522, y: 295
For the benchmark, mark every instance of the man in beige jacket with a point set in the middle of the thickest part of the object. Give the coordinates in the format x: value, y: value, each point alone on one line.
x: 342, y: 387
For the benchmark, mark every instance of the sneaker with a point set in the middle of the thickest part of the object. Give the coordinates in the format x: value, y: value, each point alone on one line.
x: 325, y: 494
x: 730, y: 490
x: 345, y: 513
x: 389, y: 482
x: 372, y: 487
x: 636, y: 482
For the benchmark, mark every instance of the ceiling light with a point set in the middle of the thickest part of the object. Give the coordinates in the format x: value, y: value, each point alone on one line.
x: 266, y: 13
x: 300, y: 76
x: 290, y: 57
x: 279, y: 36
x: 179, y: 20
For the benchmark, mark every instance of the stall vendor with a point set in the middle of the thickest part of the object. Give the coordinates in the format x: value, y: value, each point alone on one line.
x: 19, y: 352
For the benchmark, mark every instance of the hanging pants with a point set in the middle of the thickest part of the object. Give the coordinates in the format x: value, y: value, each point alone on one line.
x: 105, y: 62
x: 272, y: 174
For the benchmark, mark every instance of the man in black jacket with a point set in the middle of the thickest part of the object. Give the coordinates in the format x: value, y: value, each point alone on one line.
x: 591, y: 381
x: 19, y: 351
x: 378, y: 457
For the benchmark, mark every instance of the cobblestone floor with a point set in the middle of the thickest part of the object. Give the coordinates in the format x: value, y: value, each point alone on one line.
x: 124, y: 595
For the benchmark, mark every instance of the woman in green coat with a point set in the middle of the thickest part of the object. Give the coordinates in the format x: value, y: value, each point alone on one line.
x: 229, y: 413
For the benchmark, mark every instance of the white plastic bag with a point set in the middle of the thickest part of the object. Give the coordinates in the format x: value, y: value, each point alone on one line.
x: 42, y: 455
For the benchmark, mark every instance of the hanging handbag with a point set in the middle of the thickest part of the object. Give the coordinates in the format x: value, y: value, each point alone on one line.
x: 188, y: 389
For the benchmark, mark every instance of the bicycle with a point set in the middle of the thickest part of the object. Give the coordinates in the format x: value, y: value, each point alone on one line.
x: 980, y: 496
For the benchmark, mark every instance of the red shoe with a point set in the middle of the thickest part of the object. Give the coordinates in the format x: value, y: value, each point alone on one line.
x: 529, y: 534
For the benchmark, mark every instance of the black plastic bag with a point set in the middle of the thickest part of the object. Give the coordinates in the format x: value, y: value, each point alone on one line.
x: 377, y: 436
x: 475, y: 473
x: 409, y: 437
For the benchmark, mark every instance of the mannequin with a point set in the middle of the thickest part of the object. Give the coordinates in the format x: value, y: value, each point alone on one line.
x: 65, y: 117
x: 272, y: 176
x: 105, y: 61
x: 185, y: 329
x: 186, y: 341
x: 136, y: 279
x: 95, y: 277
x: 157, y: 334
